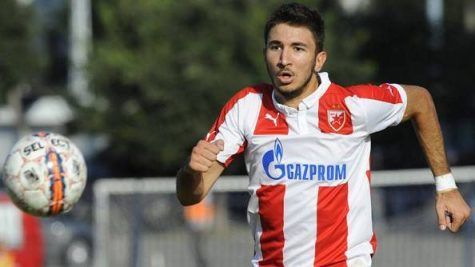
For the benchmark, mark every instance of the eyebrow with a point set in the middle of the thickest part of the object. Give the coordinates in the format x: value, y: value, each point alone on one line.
x: 274, y: 42
x: 299, y: 44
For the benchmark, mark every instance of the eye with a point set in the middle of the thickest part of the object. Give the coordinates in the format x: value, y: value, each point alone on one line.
x: 299, y: 49
x: 273, y: 47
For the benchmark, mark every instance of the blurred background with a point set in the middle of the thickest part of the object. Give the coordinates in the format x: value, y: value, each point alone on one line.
x: 135, y: 84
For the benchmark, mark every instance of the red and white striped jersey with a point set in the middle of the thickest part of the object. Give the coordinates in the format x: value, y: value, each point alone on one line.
x: 309, y: 173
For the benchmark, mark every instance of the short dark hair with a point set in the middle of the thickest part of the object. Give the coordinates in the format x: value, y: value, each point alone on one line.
x: 298, y: 15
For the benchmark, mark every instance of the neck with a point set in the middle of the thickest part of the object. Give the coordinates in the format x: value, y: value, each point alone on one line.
x: 293, y: 99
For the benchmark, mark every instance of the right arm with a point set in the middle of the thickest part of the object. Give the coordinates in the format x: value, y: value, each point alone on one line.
x: 195, y: 179
x: 200, y: 173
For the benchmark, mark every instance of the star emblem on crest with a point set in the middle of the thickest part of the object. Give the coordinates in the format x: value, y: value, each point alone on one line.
x: 336, y: 117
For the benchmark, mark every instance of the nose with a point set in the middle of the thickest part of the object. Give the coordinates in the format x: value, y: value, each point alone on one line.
x: 283, y: 58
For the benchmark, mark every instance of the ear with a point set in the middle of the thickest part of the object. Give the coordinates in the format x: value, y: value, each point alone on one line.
x: 320, y: 61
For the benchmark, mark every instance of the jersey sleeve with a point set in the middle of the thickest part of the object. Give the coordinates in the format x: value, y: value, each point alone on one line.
x: 228, y: 128
x: 382, y: 105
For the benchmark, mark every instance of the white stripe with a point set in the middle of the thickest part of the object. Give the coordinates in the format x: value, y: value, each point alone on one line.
x: 381, y: 115
x: 403, y: 95
x: 236, y: 123
x: 362, y: 261
x: 255, y: 221
x: 359, y: 218
x: 300, y: 212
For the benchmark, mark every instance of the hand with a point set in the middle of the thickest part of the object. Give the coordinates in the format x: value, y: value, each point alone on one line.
x: 203, y: 155
x: 452, y: 210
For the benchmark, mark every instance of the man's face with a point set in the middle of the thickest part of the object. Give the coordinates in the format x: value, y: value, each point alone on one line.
x: 292, y: 60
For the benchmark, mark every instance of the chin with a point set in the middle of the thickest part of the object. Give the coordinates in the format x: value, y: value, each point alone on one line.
x: 285, y: 88
x: 288, y: 90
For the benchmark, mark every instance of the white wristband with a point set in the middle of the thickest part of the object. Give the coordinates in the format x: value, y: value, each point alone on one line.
x: 445, y: 182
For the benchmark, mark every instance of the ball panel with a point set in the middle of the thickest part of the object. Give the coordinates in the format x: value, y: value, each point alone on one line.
x: 33, y: 175
x: 60, y: 143
x: 74, y: 192
x: 13, y: 186
x: 33, y: 149
x: 13, y: 163
x: 36, y: 199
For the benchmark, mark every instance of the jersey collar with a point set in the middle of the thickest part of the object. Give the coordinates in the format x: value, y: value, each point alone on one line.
x: 307, y: 102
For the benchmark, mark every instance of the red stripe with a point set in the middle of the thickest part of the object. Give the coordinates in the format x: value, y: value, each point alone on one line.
x: 231, y: 103
x: 271, y: 212
x: 368, y: 172
x: 374, y: 243
x: 332, y: 227
x: 333, y: 114
x: 270, y: 120
x: 385, y: 92
x: 30, y: 254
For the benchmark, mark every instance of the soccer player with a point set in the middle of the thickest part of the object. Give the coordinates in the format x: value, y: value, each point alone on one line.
x: 306, y: 142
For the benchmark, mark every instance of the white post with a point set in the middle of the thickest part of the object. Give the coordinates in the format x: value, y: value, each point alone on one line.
x: 101, y: 224
x: 80, y: 42
x: 435, y: 18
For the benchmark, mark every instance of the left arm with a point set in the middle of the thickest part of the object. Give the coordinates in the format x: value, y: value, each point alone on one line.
x: 452, y: 210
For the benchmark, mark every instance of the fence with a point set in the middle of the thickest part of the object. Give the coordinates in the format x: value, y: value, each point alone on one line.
x: 139, y: 222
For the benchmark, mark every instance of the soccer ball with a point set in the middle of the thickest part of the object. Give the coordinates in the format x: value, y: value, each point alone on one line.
x: 44, y: 174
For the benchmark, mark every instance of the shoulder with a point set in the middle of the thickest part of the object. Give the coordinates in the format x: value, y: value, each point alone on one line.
x: 249, y: 96
x: 358, y: 90
x: 336, y: 89
x: 250, y: 92
x: 262, y: 88
x: 389, y: 93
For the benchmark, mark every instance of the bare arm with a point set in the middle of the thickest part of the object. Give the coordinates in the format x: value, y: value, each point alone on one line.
x: 452, y: 210
x: 195, y: 179
x: 421, y: 110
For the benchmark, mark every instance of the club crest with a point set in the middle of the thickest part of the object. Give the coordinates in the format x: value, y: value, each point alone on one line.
x: 336, y: 119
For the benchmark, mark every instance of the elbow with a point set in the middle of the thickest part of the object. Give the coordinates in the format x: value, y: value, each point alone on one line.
x: 423, y: 96
x: 425, y: 101
x: 420, y: 103
x: 188, y: 200
x: 187, y: 192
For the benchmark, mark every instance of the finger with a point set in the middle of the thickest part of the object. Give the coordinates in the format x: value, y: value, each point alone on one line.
x: 219, y: 143
x: 448, y: 220
x: 198, y: 158
x: 456, y: 223
x: 216, y: 146
x: 212, y: 149
x: 206, y: 162
x: 199, y: 161
x: 209, y: 155
x: 441, y: 218
x: 204, y: 145
x: 202, y: 149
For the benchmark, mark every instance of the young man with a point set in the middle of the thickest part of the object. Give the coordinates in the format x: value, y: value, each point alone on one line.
x: 307, y: 145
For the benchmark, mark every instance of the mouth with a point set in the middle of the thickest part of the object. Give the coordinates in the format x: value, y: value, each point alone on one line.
x: 285, y: 77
